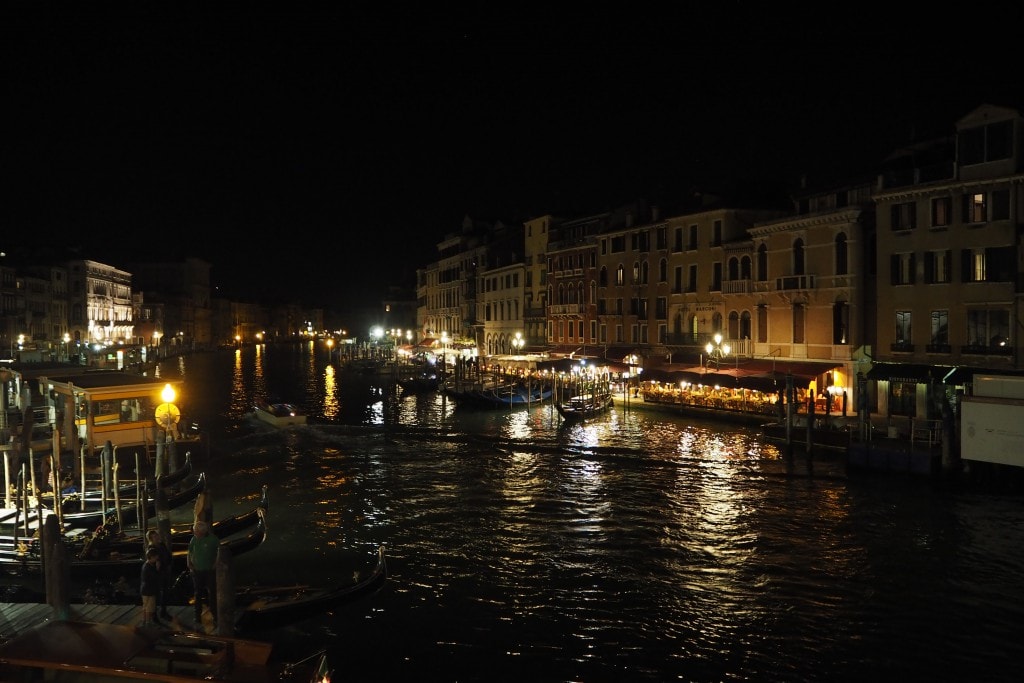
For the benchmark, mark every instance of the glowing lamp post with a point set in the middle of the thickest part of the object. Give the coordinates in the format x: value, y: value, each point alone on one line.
x: 517, y: 343
x: 167, y: 416
x: 716, y: 352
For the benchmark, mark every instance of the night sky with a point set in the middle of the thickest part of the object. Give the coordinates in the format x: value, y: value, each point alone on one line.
x: 285, y: 146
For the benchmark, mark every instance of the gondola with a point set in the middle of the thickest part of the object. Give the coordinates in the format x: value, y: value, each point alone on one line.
x: 111, y: 565
x: 181, y: 534
x: 263, y: 608
x: 71, y: 503
x: 584, y: 406
x: 125, y: 491
x: 128, y: 513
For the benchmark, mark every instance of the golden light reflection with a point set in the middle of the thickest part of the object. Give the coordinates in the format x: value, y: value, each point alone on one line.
x: 332, y: 407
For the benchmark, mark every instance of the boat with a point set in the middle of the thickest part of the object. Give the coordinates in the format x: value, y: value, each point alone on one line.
x: 499, y: 396
x: 90, y: 519
x: 73, y: 502
x: 263, y: 608
x: 838, y: 438
x: 181, y: 534
x: 94, y: 560
x: 421, y: 379
x: 585, y: 405
x: 75, y: 650
x: 280, y: 414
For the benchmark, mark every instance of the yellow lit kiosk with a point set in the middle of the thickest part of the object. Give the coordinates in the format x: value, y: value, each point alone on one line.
x: 124, y: 409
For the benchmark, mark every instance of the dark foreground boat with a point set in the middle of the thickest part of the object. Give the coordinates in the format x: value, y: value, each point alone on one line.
x: 263, y: 608
x: 70, y: 650
x: 103, y: 563
x: 584, y: 406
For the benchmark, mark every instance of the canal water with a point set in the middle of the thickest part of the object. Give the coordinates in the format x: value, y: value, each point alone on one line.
x: 634, y: 547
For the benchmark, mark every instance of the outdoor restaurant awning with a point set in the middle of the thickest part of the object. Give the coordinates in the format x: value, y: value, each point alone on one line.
x: 757, y: 375
x: 907, y: 373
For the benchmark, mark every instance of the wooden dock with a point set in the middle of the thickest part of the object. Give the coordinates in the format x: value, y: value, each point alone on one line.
x: 17, y: 617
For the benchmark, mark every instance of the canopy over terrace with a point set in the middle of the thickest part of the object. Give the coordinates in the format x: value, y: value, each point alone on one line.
x: 757, y: 375
x: 568, y: 364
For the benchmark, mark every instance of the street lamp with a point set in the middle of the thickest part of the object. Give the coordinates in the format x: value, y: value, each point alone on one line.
x: 517, y: 343
x: 716, y: 351
x: 167, y: 416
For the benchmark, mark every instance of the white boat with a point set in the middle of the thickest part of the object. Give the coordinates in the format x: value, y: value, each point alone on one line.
x: 280, y: 414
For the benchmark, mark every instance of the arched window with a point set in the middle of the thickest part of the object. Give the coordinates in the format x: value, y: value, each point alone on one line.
x: 602, y: 277
x: 745, y: 268
x: 620, y: 275
x: 798, y: 257
x: 733, y: 268
x: 762, y: 262
x: 645, y: 272
x: 734, y: 325
x: 663, y: 270
x: 745, y: 325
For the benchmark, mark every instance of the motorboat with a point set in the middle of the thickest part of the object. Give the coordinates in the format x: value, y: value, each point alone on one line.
x: 280, y: 414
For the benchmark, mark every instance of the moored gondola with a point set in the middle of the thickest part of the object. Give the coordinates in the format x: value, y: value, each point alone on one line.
x: 263, y: 608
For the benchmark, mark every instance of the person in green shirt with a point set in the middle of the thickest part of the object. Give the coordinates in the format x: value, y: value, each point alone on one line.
x: 202, y: 560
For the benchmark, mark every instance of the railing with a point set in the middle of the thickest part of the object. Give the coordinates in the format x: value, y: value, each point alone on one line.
x: 736, y: 287
x: 794, y: 282
x: 565, y: 309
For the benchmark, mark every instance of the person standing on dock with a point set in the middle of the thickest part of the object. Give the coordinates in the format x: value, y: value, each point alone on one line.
x: 149, y: 586
x: 153, y: 540
x: 202, y: 559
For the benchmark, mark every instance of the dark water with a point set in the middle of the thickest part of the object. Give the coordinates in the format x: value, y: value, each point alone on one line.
x: 635, y: 547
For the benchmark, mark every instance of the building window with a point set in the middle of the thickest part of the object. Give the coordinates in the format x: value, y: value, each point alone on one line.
x: 1000, y: 205
x: 939, y: 334
x: 842, y: 255
x: 677, y: 243
x: 662, y: 333
x: 593, y: 330
x: 903, y: 327
x: 798, y: 323
x: 716, y: 234
x: 716, y: 276
x: 992, y: 264
x: 840, y: 323
x: 745, y: 325
x: 762, y: 263
x: 902, y: 269
x: 904, y: 216
x: 661, y: 308
x: 691, y: 244
x: 620, y: 275
x: 975, y: 208
x: 677, y: 274
x: 691, y: 285
x: 798, y: 257
x: 663, y: 270
x: 989, y: 330
x: 936, y: 267
x: 661, y: 237
x: 942, y: 211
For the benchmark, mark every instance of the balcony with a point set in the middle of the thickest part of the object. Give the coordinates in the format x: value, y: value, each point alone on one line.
x: 794, y: 282
x: 566, y: 309
x: 736, y: 287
